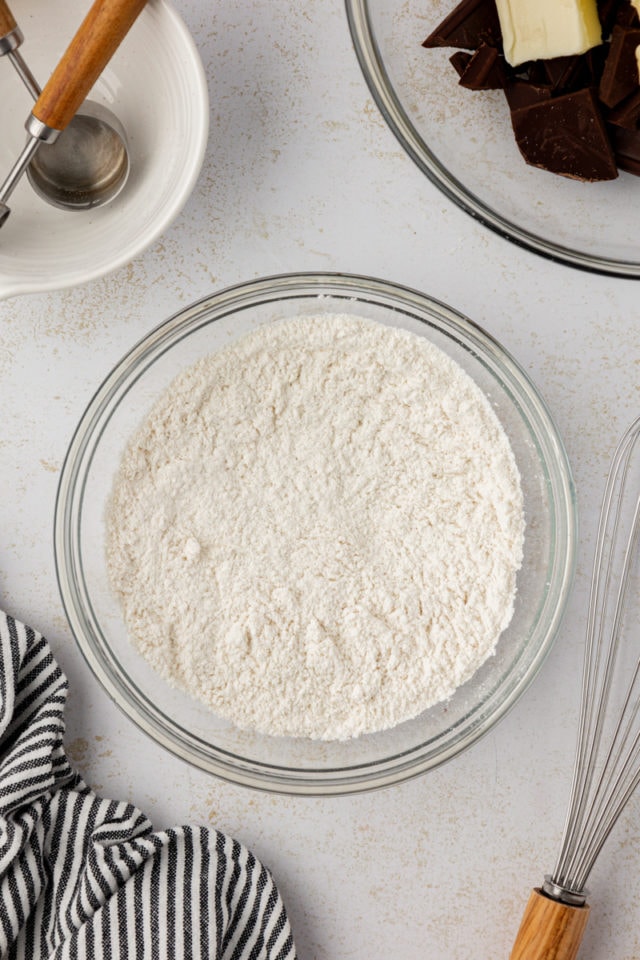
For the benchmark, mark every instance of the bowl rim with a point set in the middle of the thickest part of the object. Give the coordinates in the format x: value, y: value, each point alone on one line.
x: 145, y: 714
x: 384, y: 95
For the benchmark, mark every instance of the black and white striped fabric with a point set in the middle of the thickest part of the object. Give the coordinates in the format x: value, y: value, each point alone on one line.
x: 84, y: 877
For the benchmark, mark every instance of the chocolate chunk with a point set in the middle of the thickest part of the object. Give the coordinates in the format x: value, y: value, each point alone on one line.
x: 522, y: 93
x: 484, y: 69
x: 626, y: 145
x: 470, y: 24
x: 620, y: 74
x: 627, y: 113
x: 593, y: 61
x: 460, y: 61
x: 535, y: 72
x: 607, y: 14
x: 566, y: 135
x: 621, y: 12
x: 627, y: 15
x: 564, y: 74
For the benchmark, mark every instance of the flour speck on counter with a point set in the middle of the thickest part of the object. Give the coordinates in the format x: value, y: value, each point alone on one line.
x: 317, y: 530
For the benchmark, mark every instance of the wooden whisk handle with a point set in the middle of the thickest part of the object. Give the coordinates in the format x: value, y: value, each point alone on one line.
x: 7, y: 20
x: 549, y: 930
x: 97, y: 39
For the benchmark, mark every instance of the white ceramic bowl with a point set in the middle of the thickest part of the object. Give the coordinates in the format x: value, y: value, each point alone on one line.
x: 185, y: 726
x: 155, y: 85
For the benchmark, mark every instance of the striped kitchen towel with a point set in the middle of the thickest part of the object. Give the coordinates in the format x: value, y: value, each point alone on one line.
x: 84, y: 877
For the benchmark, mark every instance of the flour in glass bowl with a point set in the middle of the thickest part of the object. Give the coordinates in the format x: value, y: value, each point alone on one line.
x: 317, y: 530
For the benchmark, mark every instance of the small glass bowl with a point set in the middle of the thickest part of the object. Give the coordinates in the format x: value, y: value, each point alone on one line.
x: 188, y: 728
x: 463, y: 141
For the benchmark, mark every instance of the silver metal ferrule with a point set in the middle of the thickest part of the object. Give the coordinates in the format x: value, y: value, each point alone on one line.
x: 39, y: 130
x: 11, y: 41
x: 574, y: 898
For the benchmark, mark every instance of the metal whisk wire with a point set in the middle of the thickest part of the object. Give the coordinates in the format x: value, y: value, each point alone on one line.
x: 601, y: 787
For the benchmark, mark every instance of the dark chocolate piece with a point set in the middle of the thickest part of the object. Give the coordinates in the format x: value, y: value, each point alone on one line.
x: 620, y: 74
x: 484, y: 70
x: 626, y: 145
x: 621, y: 12
x: 534, y: 71
x: 607, y: 14
x: 470, y: 24
x: 593, y: 61
x: 522, y: 93
x: 627, y: 15
x: 460, y: 61
x: 627, y: 113
x: 566, y: 135
x: 564, y: 74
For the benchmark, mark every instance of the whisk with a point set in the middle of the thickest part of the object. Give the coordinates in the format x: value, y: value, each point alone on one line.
x: 607, y: 761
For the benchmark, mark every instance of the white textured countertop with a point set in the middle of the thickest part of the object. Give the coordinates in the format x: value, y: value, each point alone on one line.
x: 302, y: 174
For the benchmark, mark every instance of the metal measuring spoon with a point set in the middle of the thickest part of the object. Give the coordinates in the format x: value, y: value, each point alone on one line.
x: 88, y: 164
x: 92, y: 149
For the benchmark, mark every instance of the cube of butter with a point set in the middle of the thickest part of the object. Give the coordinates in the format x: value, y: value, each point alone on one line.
x: 543, y: 29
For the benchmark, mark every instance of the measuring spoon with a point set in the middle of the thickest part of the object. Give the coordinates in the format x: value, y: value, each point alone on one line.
x: 93, y: 147
x: 88, y: 164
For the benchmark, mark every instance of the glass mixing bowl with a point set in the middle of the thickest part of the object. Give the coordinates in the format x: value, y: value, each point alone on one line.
x: 464, y: 143
x: 188, y: 728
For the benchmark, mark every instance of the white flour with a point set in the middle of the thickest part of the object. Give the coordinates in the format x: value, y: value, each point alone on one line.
x: 317, y: 530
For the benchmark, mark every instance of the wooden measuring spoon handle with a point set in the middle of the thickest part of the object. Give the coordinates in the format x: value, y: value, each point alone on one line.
x: 97, y: 39
x: 7, y: 20
x: 549, y: 930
